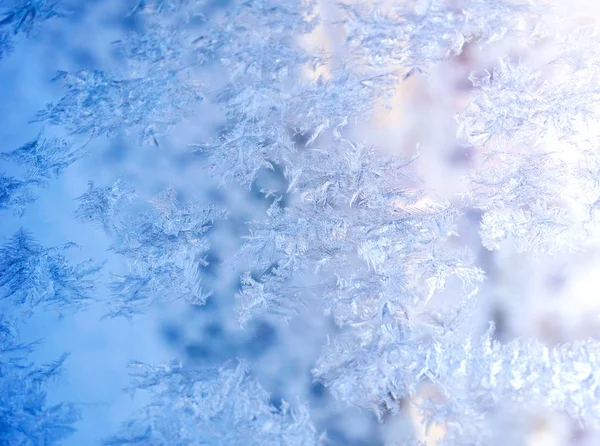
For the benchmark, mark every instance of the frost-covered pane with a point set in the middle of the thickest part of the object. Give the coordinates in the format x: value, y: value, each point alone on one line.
x: 369, y: 170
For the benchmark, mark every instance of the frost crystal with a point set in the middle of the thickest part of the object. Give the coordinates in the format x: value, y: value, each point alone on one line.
x: 25, y: 416
x: 224, y: 406
x: 32, y: 275
x: 96, y: 104
x: 162, y: 241
x: 25, y: 16
x: 15, y: 194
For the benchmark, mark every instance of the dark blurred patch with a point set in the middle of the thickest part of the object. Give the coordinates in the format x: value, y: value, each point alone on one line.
x: 276, y: 401
x: 462, y: 156
x: 116, y: 152
x: 130, y: 23
x: 213, y: 5
x: 214, y: 330
x: 486, y: 261
x: 196, y: 20
x: 84, y: 58
x: 464, y: 84
x: 215, y: 195
x: 337, y: 436
x: 271, y: 184
x: 300, y: 139
x: 212, y: 350
x: 199, y: 352
x: 318, y: 390
x: 475, y: 215
x: 263, y: 339
x: 499, y: 318
x: 213, y: 260
x: 556, y: 282
x: 171, y: 334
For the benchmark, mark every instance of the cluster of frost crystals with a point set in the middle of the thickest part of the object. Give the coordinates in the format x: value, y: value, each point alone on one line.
x: 531, y: 122
x: 356, y: 238
x: 475, y: 379
x: 361, y: 240
x: 419, y: 33
x: 143, y: 100
x: 521, y: 375
x: 24, y: 17
x: 261, y: 86
x: 25, y: 417
x: 149, y: 91
x: 162, y: 241
x: 32, y: 275
x: 40, y: 160
x: 15, y: 194
x: 224, y: 406
x: 524, y: 199
x: 524, y: 101
x: 278, y: 98
x: 97, y: 104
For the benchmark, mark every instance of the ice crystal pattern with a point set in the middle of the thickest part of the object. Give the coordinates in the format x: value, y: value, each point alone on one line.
x: 353, y: 234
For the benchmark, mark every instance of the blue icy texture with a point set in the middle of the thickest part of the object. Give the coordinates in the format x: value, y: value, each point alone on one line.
x: 314, y: 255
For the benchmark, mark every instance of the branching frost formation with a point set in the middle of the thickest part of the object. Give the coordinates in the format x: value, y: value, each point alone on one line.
x: 357, y: 234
